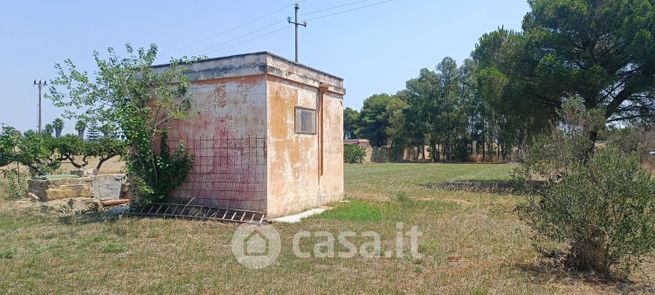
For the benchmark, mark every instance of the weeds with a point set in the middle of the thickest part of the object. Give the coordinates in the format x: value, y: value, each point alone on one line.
x: 8, y: 254
x: 114, y: 247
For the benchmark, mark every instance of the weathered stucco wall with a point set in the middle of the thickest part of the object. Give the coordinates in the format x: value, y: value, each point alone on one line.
x: 292, y: 158
x: 294, y: 181
x: 226, y: 134
x: 331, y: 184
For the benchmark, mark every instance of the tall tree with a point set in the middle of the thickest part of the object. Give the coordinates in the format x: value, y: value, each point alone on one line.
x: 48, y: 129
x: 396, y: 128
x: 600, y: 51
x: 375, y: 119
x: 517, y: 110
x: 452, y: 113
x: 58, y: 124
x: 93, y: 133
x: 350, y: 123
x: 422, y: 95
x: 80, y: 127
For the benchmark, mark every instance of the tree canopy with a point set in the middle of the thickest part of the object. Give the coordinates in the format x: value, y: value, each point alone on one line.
x: 600, y: 51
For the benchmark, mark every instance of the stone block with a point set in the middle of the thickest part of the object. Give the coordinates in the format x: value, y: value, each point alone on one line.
x: 108, y: 186
x: 63, y: 188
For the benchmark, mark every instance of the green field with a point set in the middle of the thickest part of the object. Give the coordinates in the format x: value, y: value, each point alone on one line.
x: 471, y: 243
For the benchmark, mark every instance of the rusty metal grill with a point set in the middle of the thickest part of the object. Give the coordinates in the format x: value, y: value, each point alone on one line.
x: 197, y: 212
x: 228, y: 172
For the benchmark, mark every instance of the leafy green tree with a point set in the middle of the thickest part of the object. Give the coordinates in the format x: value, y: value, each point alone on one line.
x: 58, y: 125
x: 48, y: 129
x: 514, y: 109
x: 600, y: 51
x: 375, y: 119
x: 422, y: 95
x: 76, y: 151
x: 9, y: 139
x: 396, y: 128
x: 439, y: 109
x: 108, y: 131
x: 37, y: 152
x: 350, y: 123
x: 128, y: 93
x: 410, y: 128
x: 105, y: 149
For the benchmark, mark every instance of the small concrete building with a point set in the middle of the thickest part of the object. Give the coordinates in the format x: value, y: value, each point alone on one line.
x: 266, y: 134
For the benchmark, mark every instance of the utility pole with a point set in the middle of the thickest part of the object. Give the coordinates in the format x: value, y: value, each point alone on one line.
x: 40, y: 84
x: 296, y: 23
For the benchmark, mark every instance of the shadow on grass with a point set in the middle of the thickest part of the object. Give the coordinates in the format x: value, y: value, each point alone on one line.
x: 552, y: 271
x: 111, y: 215
x: 486, y: 186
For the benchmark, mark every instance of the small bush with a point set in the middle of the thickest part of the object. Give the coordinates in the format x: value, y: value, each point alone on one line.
x: 15, y: 184
x: 353, y: 154
x: 604, y: 210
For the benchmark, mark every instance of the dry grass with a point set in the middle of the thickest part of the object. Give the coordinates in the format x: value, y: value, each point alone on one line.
x: 471, y: 243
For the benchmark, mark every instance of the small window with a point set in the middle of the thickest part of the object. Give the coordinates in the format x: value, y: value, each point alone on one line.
x: 305, y: 121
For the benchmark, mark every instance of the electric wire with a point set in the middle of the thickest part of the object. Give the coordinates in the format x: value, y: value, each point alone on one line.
x: 224, y: 45
x: 254, y: 20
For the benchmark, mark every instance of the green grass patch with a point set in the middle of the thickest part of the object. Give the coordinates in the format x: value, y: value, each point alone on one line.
x: 355, y: 210
x: 8, y: 254
x: 12, y: 223
x: 114, y: 247
x: 97, y: 238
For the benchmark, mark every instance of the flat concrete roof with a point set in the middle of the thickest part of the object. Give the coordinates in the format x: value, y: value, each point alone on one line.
x: 255, y: 63
x: 254, y: 54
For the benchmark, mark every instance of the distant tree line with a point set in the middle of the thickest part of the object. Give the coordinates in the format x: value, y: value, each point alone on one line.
x: 443, y: 111
x: 515, y: 82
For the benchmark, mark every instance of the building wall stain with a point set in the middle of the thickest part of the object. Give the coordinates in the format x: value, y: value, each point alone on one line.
x: 242, y: 135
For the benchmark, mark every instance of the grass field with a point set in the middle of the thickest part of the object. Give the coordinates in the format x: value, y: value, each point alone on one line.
x: 471, y: 244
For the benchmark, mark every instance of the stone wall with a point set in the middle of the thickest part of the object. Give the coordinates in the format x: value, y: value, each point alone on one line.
x: 101, y: 187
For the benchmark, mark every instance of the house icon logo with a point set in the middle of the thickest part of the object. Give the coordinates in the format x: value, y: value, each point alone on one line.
x: 256, y: 247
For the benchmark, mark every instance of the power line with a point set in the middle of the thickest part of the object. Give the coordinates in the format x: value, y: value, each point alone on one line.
x: 352, y: 9
x: 332, y: 8
x: 284, y: 27
x: 254, y: 20
x: 254, y: 38
x: 241, y: 37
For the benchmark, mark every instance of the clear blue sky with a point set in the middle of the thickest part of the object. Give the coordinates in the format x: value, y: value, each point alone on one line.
x: 375, y: 49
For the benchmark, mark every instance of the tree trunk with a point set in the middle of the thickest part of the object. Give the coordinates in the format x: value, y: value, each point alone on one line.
x: 593, y: 137
x: 590, y: 254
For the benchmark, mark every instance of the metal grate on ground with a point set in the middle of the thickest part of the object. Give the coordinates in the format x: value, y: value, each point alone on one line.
x: 197, y: 212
